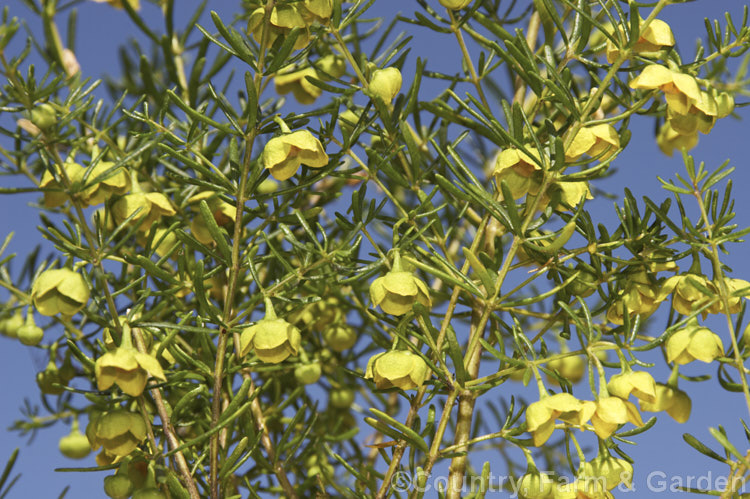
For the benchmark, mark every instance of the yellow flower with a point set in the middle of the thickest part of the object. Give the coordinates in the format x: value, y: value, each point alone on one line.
x: 611, y: 412
x: 680, y: 89
x: 126, y: 367
x: 116, y: 182
x: 340, y: 337
x: 397, y: 291
x: 607, y: 472
x: 148, y: 207
x: 60, y: 291
x: 54, y: 191
x: 738, y: 289
x: 571, y: 368
x: 397, y: 369
x: 385, y: 84
x: 284, y: 154
x: 598, y: 141
x: 676, y: 402
x: 223, y: 214
x: 535, y: 485
x: 639, y: 297
x: 581, y: 489
x: 519, y: 170
x: 295, y: 80
x: 638, y: 383
x: 655, y: 37
x: 686, y: 295
x: 541, y: 415
x: 694, y: 342
x: 668, y: 139
x: 272, y: 339
x: 283, y: 19
x: 118, y: 432
x: 317, y: 10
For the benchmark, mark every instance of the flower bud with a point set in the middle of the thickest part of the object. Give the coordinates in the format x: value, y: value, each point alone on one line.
x: 397, y: 291
x: 317, y: 466
x: 49, y: 381
x: 571, y: 368
x: 607, y: 472
x: 30, y: 334
x: 340, y: 337
x: 585, y: 284
x: 273, y: 340
x: 60, y: 291
x: 676, y: 402
x: 535, y: 485
x: 284, y: 154
x: 724, y: 104
x: 44, y: 116
x: 397, y: 368
x: 149, y: 493
x: 694, y: 342
x: 75, y: 445
x: 118, y: 486
x: 385, y: 84
x: 9, y: 326
x: 455, y: 4
x: 70, y: 62
x: 341, y: 398
x: 307, y: 374
x: 118, y: 432
x: 348, y: 121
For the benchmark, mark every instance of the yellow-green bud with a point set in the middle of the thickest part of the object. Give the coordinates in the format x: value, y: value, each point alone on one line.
x: 60, y: 291
x: 49, y: 381
x: 397, y: 291
x: 341, y: 398
x: 385, y: 84
x: 397, y: 369
x: 273, y: 340
x: 340, y: 337
x: 307, y: 374
x: 149, y: 493
x: 30, y: 334
x: 118, y: 486
x: 607, y: 472
x: 75, y: 445
x: 571, y: 368
x: 347, y: 121
x: 10, y: 325
x: 455, y: 4
x: 44, y: 116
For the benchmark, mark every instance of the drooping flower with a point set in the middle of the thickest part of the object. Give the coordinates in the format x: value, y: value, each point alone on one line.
x: 54, y: 191
x: 60, y: 291
x: 638, y: 383
x: 694, y: 342
x: 284, y: 154
x: 680, y: 90
x: 676, y: 402
x: 598, y: 141
x: 397, y: 369
x: 385, y: 84
x: 118, y: 432
x: 640, y: 296
x: 541, y: 415
x: 455, y: 4
x: 535, y: 485
x: 126, y: 367
x: 397, y: 291
x: 651, y: 40
x: 115, y: 182
x: 687, y: 292
x: 607, y: 471
x: 738, y: 290
x: 611, y: 412
x: 519, y: 170
x: 284, y: 18
x: 668, y: 139
x: 272, y: 339
x: 147, y: 207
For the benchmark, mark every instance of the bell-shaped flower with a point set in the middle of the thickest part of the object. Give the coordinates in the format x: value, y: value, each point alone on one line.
x: 738, y: 289
x: 118, y: 432
x: 284, y: 154
x: 640, y: 296
x: 694, y: 342
x: 114, y: 182
x: 75, y: 445
x: 581, y: 489
x: 673, y: 400
x: 54, y: 192
x: 607, y: 471
x: 296, y: 82
x: 397, y: 369
x: 520, y: 171
x: 317, y: 10
x: 572, y: 368
x: 397, y: 291
x: 668, y: 139
x: 455, y: 4
x: 272, y: 339
x: 145, y: 208
x: 688, y: 292
x: 651, y: 40
x: 611, y: 412
x: 680, y: 89
x: 385, y: 84
x: 541, y: 415
x: 638, y: 383
x: 126, y: 367
x: 284, y: 18
x: 598, y: 141
x: 60, y: 291
x: 535, y: 485
x: 339, y: 337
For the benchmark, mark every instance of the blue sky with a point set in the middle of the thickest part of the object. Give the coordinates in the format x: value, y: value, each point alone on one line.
x: 659, y: 450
